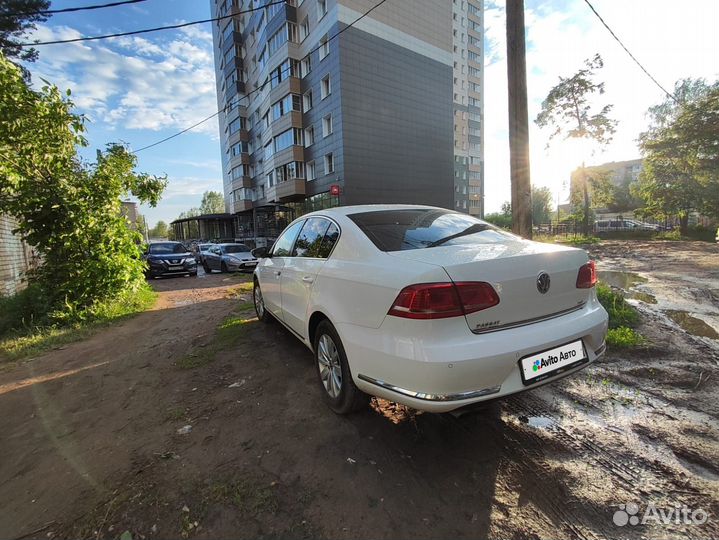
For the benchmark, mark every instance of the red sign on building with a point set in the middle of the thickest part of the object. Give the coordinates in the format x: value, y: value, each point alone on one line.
x: 335, y: 190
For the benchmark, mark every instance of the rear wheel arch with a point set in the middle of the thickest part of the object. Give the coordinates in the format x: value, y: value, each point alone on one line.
x: 315, y: 319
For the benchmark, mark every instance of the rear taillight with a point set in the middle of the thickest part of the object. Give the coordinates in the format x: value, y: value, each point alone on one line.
x: 587, y: 276
x: 442, y: 300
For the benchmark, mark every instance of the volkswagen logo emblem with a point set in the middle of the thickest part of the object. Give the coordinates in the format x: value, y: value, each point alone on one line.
x: 543, y: 282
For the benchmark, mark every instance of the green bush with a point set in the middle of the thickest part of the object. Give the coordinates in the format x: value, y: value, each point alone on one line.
x: 620, y: 312
x: 67, y: 209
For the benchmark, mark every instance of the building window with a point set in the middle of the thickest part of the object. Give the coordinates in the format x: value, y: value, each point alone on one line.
x: 307, y: 100
x: 304, y: 29
x: 326, y: 87
x: 305, y: 66
x: 321, y: 8
x: 329, y: 163
x: 327, y: 125
x: 324, y: 46
x: 309, y: 136
x: 310, y: 170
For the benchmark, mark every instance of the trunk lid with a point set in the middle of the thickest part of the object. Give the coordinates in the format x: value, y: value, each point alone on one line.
x: 512, y: 268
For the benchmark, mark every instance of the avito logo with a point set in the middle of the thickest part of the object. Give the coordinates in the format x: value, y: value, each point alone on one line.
x: 551, y: 360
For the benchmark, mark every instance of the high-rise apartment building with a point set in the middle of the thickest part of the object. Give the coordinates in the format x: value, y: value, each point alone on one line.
x: 468, y: 98
x: 383, y: 112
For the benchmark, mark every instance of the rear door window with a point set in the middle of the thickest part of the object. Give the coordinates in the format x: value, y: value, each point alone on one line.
x: 309, y: 242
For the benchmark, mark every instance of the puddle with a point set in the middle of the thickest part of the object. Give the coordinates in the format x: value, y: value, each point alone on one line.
x: 692, y: 325
x: 622, y: 280
x: 538, y: 422
x: 643, y: 297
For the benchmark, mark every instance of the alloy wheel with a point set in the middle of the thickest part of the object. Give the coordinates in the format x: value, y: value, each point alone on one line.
x: 328, y: 359
x: 259, y: 302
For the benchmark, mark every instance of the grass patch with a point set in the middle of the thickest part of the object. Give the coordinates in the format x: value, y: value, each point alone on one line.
x: 33, y: 339
x: 668, y: 235
x: 624, y: 337
x: 571, y: 240
x: 620, y: 312
x: 622, y: 318
x: 245, y: 495
x: 227, y: 335
x: 580, y: 240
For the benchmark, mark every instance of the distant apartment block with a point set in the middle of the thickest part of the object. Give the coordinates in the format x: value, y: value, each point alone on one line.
x: 389, y: 111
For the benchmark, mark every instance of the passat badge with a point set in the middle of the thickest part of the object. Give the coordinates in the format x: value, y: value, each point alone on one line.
x: 543, y: 282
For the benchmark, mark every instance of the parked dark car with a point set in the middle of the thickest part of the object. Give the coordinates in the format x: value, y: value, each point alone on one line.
x: 169, y: 259
x: 228, y: 258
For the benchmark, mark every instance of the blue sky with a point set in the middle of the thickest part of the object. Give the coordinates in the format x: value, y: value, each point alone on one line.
x: 141, y: 89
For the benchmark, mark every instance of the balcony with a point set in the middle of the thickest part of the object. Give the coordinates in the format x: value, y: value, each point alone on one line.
x: 241, y: 206
x: 291, y: 190
x: 241, y: 182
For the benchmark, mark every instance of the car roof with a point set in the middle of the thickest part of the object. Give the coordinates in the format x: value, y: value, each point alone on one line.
x: 358, y: 209
x: 230, y: 244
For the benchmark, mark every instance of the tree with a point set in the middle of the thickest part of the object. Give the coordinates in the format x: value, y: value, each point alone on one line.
x: 212, y: 203
x: 192, y: 212
x: 160, y: 230
x: 506, y: 208
x: 681, y: 154
x: 541, y: 205
x: 17, y: 18
x: 568, y: 110
x: 68, y: 210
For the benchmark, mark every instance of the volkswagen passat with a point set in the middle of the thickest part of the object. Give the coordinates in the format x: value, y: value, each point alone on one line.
x: 428, y: 307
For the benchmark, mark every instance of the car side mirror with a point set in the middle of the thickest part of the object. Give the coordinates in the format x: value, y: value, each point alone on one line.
x: 261, y: 253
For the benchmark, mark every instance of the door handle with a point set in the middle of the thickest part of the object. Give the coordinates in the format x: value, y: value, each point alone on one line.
x: 308, y: 279
x: 277, y: 272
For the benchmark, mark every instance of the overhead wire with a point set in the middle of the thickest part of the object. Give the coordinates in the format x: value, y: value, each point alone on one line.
x: 69, y: 10
x: 146, y: 30
x: 669, y: 94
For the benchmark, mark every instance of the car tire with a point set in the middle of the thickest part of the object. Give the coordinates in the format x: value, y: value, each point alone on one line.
x: 260, y: 308
x: 206, y: 267
x: 193, y: 274
x: 223, y: 267
x: 333, y: 372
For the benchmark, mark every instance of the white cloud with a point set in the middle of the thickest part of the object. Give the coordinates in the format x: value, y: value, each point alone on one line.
x: 164, y: 82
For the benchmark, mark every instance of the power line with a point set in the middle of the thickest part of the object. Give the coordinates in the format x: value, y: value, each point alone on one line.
x: 147, y: 30
x: 262, y: 86
x: 69, y: 10
x: 672, y: 96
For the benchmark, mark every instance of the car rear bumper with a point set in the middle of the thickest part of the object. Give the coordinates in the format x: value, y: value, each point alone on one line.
x: 439, y: 365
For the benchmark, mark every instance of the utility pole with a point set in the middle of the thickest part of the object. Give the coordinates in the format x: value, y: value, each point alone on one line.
x: 518, y: 121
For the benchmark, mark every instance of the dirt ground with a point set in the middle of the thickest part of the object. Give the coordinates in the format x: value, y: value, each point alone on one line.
x: 91, y: 449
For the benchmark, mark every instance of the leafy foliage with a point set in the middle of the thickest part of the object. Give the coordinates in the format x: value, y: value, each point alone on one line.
x: 541, y: 205
x: 17, y: 18
x: 68, y: 210
x: 681, y: 154
x: 568, y: 110
x: 501, y: 219
x: 160, y: 230
x: 212, y: 203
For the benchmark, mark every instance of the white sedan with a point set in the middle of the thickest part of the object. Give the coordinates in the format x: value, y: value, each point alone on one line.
x: 428, y: 307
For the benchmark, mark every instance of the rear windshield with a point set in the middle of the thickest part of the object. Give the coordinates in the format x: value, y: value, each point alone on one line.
x: 239, y: 248
x: 167, y: 248
x: 397, y: 230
